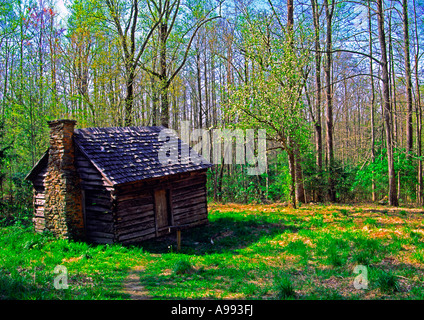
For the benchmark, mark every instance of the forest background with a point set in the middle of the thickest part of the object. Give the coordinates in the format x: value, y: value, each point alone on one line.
x: 336, y: 84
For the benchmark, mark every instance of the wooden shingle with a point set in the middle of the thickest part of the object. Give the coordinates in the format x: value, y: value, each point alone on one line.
x: 130, y: 154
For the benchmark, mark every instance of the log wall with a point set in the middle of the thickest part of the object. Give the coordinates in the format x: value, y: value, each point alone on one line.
x: 126, y: 213
x: 189, y: 203
x: 135, y: 210
x: 39, y: 200
x: 98, y: 198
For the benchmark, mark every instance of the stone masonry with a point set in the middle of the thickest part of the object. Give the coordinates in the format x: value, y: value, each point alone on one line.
x: 63, y: 208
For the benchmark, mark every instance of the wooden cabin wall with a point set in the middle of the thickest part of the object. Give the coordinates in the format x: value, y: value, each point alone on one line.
x: 39, y: 199
x: 135, y: 217
x: 189, y: 202
x: 135, y: 212
x: 98, y: 201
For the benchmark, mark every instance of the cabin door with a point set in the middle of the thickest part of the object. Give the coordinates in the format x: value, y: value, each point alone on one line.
x: 163, y: 219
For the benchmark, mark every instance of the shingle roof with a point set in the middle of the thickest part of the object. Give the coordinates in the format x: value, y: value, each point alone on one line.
x: 135, y: 153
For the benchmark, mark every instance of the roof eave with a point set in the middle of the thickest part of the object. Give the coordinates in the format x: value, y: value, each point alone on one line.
x: 35, y: 169
x: 81, y: 149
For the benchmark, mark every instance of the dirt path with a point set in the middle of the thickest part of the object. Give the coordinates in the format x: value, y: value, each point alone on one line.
x: 133, y: 287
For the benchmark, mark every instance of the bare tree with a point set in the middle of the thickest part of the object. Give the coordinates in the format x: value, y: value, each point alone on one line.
x: 409, y: 129
x: 171, y: 63
x: 317, y: 116
x: 393, y: 200
x: 126, y: 26
x: 329, y: 12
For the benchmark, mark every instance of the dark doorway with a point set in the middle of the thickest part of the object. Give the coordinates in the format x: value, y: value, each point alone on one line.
x: 162, y: 210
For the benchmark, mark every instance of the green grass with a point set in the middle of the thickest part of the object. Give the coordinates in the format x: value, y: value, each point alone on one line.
x: 183, y: 266
x: 386, y: 281
x: 256, y: 252
x: 284, y: 287
x: 28, y: 260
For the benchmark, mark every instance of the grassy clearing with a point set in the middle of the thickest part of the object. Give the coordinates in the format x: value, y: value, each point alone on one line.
x: 246, y: 252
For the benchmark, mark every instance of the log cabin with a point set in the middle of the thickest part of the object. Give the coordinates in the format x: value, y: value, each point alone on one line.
x: 107, y: 185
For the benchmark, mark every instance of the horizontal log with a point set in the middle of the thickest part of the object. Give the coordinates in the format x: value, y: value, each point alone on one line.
x: 98, y: 225
x: 39, y: 220
x: 95, y: 183
x: 38, y: 207
x: 136, y: 194
x: 136, y: 235
x: 188, y: 189
x: 139, y: 239
x: 39, y: 202
x: 39, y: 229
x: 189, y: 202
x: 193, y: 222
x: 92, y: 215
x: 141, y: 187
x: 189, y: 192
x: 178, y: 200
x: 39, y: 195
x: 99, y: 208
x: 134, y: 229
x: 102, y: 202
x: 200, y: 179
x: 133, y: 203
x: 134, y: 210
x: 199, y: 209
x: 97, y: 234
x: 39, y: 211
x: 99, y: 193
x: 197, y: 214
x: 127, y: 222
x: 136, y: 217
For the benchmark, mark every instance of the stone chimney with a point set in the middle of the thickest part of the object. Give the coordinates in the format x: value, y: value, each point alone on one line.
x: 63, y: 198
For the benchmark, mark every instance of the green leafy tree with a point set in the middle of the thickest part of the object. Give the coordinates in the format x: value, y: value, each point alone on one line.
x: 271, y: 97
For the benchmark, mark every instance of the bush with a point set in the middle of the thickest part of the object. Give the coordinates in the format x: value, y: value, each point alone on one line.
x: 407, y: 169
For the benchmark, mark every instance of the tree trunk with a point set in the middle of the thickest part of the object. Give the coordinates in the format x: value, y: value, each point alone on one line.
x: 418, y: 113
x: 329, y: 110
x: 199, y: 84
x: 292, y: 167
x: 317, y: 124
x: 300, y: 190
x: 163, y: 83
x: 392, y: 85
x: 297, y: 191
x: 393, y: 200
x: 409, y: 130
x: 129, y: 99
x: 372, y: 103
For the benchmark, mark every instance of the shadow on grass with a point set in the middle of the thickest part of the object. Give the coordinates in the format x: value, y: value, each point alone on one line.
x: 224, y: 234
